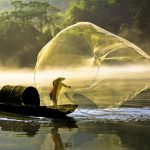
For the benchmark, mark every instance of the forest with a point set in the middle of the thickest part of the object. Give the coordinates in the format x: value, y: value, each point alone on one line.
x: 27, y: 25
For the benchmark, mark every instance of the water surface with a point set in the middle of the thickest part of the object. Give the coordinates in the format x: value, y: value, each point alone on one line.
x: 94, y: 129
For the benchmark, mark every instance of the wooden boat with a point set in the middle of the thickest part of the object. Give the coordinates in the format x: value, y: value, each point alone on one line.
x: 59, y: 111
x: 26, y: 101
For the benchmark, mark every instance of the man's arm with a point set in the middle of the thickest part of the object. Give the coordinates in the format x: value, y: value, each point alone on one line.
x: 66, y: 85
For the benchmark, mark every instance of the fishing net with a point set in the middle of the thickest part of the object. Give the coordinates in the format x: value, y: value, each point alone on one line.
x: 100, y: 67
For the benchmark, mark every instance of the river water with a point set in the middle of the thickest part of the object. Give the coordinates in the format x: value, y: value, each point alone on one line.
x: 94, y: 129
x: 88, y: 128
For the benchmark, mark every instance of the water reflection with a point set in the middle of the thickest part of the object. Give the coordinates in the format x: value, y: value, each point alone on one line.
x: 68, y: 134
x: 28, y: 128
x: 43, y: 132
x: 55, y: 138
x: 120, y: 135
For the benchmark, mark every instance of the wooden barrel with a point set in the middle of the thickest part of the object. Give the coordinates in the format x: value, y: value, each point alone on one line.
x: 19, y: 95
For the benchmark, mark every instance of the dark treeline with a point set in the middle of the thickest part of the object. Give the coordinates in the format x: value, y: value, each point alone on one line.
x: 127, y: 18
x: 24, y: 30
x: 28, y: 25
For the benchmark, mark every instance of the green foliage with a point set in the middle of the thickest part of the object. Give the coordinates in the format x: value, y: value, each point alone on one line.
x: 118, y: 16
x: 142, y: 17
x: 27, y: 25
x: 110, y: 14
x: 112, y: 2
x: 25, y: 29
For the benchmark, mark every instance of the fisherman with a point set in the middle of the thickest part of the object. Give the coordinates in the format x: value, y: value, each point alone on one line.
x: 57, y: 85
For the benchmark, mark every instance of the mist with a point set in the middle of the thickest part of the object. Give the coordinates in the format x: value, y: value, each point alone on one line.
x: 16, y: 76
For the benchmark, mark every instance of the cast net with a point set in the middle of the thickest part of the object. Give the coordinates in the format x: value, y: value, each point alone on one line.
x: 102, y: 69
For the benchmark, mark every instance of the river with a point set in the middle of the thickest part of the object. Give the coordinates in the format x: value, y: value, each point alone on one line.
x: 88, y: 128
x: 94, y: 129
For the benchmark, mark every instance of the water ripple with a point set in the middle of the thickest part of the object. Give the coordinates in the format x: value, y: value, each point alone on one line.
x: 113, y: 114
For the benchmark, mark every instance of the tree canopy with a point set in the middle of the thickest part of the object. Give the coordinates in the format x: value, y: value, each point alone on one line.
x: 110, y: 14
x: 25, y: 29
x: 26, y: 26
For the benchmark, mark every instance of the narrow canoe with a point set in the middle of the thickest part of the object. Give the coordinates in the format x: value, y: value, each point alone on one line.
x: 59, y: 111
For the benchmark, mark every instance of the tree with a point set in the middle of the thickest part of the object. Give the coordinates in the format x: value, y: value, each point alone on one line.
x: 101, y: 12
x: 25, y: 29
x: 110, y: 14
x: 37, y: 13
x: 142, y: 17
